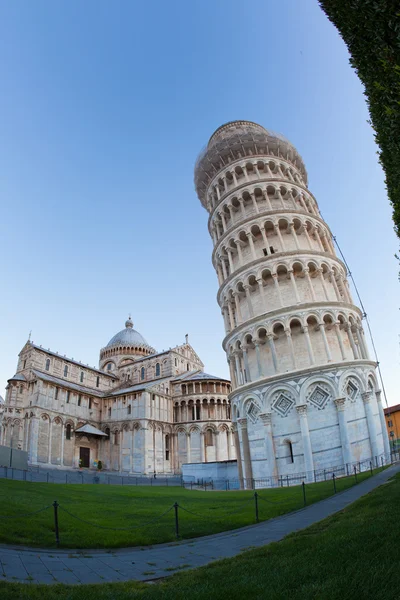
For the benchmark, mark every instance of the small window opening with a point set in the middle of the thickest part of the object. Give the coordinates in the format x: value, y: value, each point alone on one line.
x: 65, y: 370
x: 68, y: 432
x: 129, y: 409
x: 82, y: 375
x: 97, y: 381
x: 47, y: 364
x: 67, y: 398
x: 265, y: 251
x: 90, y: 403
x: 271, y: 249
x: 79, y: 399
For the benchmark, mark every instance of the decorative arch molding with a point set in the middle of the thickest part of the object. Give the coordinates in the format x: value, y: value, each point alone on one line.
x: 327, y: 385
x: 351, y: 376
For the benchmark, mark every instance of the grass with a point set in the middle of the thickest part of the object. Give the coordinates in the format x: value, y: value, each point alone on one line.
x: 122, y: 507
x: 353, y: 554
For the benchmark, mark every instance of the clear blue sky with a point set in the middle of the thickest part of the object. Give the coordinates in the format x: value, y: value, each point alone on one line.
x: 104, y: 107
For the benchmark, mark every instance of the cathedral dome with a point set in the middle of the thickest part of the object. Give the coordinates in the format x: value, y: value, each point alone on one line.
x: 241, y: 139
x: 128, y: 337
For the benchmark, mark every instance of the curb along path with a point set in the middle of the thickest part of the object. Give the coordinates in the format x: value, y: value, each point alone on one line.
x: 32, y: 565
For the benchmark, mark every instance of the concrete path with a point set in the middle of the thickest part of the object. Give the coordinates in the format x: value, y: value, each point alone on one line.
x: 25, y: 565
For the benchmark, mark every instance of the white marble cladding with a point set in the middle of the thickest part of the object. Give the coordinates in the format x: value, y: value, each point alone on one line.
x: 292, y: 330
x: 156, y: 411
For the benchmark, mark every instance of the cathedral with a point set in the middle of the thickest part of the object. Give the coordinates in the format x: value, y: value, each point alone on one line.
x: 141, y: 411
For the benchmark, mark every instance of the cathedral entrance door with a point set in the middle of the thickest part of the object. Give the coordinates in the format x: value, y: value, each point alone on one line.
x: 84, y: 455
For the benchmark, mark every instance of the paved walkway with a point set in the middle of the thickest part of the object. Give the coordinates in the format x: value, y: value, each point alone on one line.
x: 26, y: 565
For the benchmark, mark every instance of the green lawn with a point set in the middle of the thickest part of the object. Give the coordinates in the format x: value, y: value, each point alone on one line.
x: 130, y: 506
x: 353, y: 554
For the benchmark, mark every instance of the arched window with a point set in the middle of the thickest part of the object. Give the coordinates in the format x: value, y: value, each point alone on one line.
x: 187, y: 367
x: 289, y: 451
x: 158, y: 370
x: 129, y: 409
x: 116, y: 438
x: 107, y: 432
x: 82, y: 375
x: 142, y: 373
x: 65, y: 370
x: 68, y: 432
x: 176, y: 362
x: 97, y: 381
x: 47, y: 364
x: 167, y: 447
x: 109, y: 367
x: 209, y: 438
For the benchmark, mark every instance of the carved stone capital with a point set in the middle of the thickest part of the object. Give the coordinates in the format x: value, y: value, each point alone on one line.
x: 302, y: 410
x: 340, y: 403
x: 366, y: 396
x: 243, y: 423
x: 266, y: 418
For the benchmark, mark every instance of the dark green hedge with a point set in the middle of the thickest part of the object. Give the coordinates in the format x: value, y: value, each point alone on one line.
x: 371, y: 30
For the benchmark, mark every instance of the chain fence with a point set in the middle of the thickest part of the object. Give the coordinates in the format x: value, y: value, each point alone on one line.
x: 301, y: 495
x: 315, y: 476
x: 38, y: 475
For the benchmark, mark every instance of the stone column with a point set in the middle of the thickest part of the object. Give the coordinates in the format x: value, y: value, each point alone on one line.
x: 309, y: 347
x: 238, y: 453
x: 230, y: 259
x: 239, y: 251
x: 339, y: 337
x: 202, y: 446
x: 251, y: 242
x: 307, y: 273
x: 321, y: 274
x: 344, y: 434
x: 237, y: 305
x: 291, y: 347
x: 325, y: 339
x: 249, y: 303
x: 294, y: 234
x: 386, y: 443
x: 216, y: 439
x: 293, y: 280
x: 366, y: 396
x: 248, y: 471
x: 246, y: 363
x: 276, y: 283
x: 50, y: 436
x: 305, y: 434
x: 266, y: 418
x: 62, y: 443
x: 262, y: 293
x: 278, y: 233
x: 239, y: 377
x: 259, y: 361
x: 34, y: 440
x: 351, y: 338
x: 188, y: 447
x: 273, y: 351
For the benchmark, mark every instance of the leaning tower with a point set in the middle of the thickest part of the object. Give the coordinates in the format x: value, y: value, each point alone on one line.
x: 304, y: 395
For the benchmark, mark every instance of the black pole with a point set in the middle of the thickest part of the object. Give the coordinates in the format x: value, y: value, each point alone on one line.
x: 334, y: 483
x: 382, y: 461
x: 355, y: 473
x: 370, y: 466
x: 176, y: 506
x: 303, y: 485
x: 256, y: 503
x: 56, y: 505
x: 47, y: 477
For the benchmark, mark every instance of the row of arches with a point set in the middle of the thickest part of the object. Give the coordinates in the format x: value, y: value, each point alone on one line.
x: 202, y: 410
x: 296, y: 342
x: 267, y: 238
x: 247, y: 171
x: 255, y: 200
x: 204, y: 387
x: 286, y: 283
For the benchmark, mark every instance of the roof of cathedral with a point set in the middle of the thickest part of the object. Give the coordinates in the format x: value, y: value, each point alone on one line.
x: 18, y: 377
x: 128, y: 337
x: 71, y: 360
x: 197, y: 375
x: 139, y: 386
x: 68, y: 384
x: 90, y: 430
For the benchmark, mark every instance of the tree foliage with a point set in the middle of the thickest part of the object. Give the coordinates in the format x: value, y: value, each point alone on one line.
x: 371, y: 30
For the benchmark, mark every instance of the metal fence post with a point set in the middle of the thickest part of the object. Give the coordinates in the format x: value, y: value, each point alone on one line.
x: 370, y: 466
x: 176, y: 506
x: 47, y: 476
x: 355, y: 473
x: 334, y: 483
x: 56, y: 505
x: 382, y: 460
x: 303, y: 485
x: 256, y: 505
